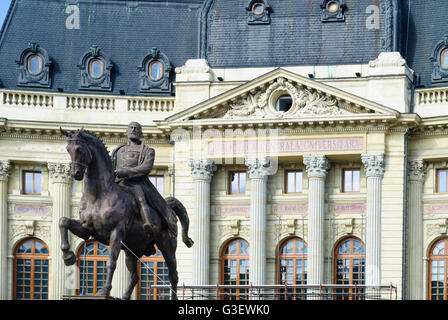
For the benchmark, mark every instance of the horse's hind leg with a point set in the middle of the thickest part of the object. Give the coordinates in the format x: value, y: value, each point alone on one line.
x: 77, y: 229
x: 114, y: 251
x: 131, y: 264
x: 168, y: 247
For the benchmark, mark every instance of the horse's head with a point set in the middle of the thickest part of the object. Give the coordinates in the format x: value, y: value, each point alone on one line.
x: 79, y: 152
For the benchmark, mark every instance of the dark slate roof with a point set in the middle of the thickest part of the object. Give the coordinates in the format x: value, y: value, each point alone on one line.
x: 295, y: 36
x: 125, y: 31
x: 427, y: 26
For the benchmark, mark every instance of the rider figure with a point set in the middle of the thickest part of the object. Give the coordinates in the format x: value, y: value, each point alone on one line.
x: 133, y: 162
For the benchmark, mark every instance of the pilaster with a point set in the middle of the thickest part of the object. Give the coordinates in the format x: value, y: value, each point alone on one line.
x: 4, y: 174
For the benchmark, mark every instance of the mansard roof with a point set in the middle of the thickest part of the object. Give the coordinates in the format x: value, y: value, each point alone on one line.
x: 125, y: 31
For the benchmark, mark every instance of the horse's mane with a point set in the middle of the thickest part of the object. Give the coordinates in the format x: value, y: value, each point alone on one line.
x: 91, y: 139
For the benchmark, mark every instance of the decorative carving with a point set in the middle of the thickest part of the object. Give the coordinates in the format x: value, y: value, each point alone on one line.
x: 258, y: 167
x: 316, y: 165
x: 388, y: 59
x: 88, y: 82
x: 305, y: 103
x: 59, y: 172
x: 333, y: 11
x: 161, y: 84
x: 39, y: 79
x: 202, y: 168
x: 234, y: 228
x: 258, y: 12
x: 417, y: 170
x: 439, y: 74
x: 374, y: 165
x: 29, y: 228
x: 5, y: 167
x: 440, y: 227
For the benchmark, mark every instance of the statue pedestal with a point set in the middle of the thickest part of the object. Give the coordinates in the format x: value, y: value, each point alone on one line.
x: 87, y: 297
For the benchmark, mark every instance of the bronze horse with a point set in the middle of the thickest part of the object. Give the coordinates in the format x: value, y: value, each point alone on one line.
x: 109, y: 214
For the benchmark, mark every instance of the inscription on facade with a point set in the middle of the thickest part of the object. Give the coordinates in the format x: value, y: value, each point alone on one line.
x: 286, y: 146
x: 349, y: 208
x: 234, y: 210
x: 31, y: 210
x: 438, y: 208
x: 290, y: 209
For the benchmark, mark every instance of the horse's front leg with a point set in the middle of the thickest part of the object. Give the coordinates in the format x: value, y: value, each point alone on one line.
x: 116, y: 237
x: 77, y: 229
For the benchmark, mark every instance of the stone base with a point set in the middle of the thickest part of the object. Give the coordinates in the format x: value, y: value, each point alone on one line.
x: 87, y: 297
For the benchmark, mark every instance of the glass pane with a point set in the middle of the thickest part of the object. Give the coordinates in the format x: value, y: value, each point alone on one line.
x: 96, y: 68
x: 25, y: 247
x: 37, y: 182
x: 233, y: 183
x: 155, y: 70
x: 291, y: 182
x: 160, y: 184
x: 34, y: 65
x: 298, y: 181
x: 445, y: 59
x: 28, y: 182
x: 348, y: 181
x: 242, y: 182
x: 442, y: 181
x: 356, y: 181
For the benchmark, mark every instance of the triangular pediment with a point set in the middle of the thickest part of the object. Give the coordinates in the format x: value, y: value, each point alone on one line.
x: 256, y: 100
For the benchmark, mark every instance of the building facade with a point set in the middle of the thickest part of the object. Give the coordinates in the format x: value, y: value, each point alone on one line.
x: 307, y: 139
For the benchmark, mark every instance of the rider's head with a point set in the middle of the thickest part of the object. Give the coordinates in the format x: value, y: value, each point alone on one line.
x: 134, y: 131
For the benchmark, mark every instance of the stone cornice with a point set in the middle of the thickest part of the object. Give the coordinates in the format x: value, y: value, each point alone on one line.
x: 374, y: 165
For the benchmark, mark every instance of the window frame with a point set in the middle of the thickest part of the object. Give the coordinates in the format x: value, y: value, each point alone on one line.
x: 95, y: 258
x: 90, y: 67
x: 29, y: 64
x: 150, y: 64
x: 295, y: 184
x: 442, y: 59
x: 293, y: 256
x: 155, y: 185
x: 351, y: 256
x: 229, y: 184
x: 438, y: 180
x: 154, y: 293
x: 24, y: 172
x: 238, y: 258
x: 344, y: 170
x: 33, y: 257
x: 431, y: 258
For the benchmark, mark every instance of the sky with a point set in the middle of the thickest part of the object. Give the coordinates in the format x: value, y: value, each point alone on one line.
x: 4, y: 6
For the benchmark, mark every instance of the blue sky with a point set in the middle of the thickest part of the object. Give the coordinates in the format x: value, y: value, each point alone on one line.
x: 4, y: 6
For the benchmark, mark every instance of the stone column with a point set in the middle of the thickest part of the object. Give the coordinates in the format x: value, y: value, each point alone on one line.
x: 416, y: 178
x: 4, y: 173
x: 121, y: 277
x: 61, y: 179
x: 258, y: 174
x: 316, y: 168
x: 374, y: 166
x: 202, y: 172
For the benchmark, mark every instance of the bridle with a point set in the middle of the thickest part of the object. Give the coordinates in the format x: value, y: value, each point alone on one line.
x: 86, y: 147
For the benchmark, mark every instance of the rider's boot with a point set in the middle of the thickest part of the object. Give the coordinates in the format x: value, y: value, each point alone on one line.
x: 147, y: 225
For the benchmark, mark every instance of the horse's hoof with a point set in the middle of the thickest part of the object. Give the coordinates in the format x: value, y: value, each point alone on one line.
x: 69, y: 258
x: 188, y: 242
x: 103, y: 292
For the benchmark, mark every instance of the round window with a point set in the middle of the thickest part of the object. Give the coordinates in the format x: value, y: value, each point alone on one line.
x: 258, y: 8
x: 444, y: 60
x: 34, y: 64
x: 333, y: 6
x: 283, y: 103
x: 96, y: 68
x: 155, y: 70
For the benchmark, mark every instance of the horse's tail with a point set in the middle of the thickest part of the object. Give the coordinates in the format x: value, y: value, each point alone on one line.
x: 182, y: 214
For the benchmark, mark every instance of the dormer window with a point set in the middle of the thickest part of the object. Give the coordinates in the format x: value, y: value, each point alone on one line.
x: 439, y: 59
x: 155, y: 73
x: 333, y: 11
x: 96, y: 70
x: 444, y: 59
x: 258, y: 12
x: 34, y: 67
x: 34, y: 64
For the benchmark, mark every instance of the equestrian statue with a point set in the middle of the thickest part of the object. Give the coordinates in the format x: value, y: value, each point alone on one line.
x: 120, y: 207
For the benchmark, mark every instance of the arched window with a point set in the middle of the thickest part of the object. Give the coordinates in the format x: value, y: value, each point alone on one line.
x: 235, y: 268
x: 438, y: 271
x: 153, y: 271
x: 96, y: 68
x: 34, y: 64
x: 92, y: 262
x: 293, y: 267
x: 444, y: 59
x: 350, y: 256
x: 155, y: 70
x: 31, y: 270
